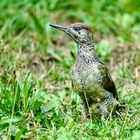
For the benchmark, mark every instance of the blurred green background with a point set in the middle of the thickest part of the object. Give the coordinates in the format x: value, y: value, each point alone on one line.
x: 36, y: 99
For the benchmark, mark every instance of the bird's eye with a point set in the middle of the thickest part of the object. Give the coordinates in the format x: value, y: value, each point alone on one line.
x: 77, y: 28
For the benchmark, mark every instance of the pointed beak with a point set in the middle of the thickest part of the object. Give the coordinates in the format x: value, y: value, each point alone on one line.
x: 60, y: 27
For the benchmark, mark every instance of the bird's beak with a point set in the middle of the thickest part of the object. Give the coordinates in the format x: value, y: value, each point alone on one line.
x: 60, y: 27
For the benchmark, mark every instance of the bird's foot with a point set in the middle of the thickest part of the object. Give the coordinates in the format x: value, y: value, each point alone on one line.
x: 84, y: 117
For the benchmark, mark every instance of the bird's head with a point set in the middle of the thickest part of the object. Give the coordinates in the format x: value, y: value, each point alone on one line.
x: 79, y: 32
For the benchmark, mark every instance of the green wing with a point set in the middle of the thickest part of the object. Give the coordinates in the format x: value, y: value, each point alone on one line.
x: 106, y: 80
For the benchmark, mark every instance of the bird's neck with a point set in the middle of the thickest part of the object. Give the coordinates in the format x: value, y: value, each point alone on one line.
x: 86, y: 53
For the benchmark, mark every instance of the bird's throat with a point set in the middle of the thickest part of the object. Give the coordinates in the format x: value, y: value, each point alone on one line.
x: 86, y: 53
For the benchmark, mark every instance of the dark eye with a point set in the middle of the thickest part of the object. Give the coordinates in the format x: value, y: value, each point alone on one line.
x: 77, y: 28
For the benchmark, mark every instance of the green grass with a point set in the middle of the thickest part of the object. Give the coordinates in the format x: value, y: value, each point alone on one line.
x: 36, y: 98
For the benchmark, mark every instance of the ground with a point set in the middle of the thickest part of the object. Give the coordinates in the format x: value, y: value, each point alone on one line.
x: 36, y: 98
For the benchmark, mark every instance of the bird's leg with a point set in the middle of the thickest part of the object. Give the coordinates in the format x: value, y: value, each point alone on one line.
x: 103, y: 109
x: 86, y: 107
x: 104, y: 106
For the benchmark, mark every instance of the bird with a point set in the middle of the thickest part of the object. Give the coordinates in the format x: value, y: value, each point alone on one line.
x: 89, y: 76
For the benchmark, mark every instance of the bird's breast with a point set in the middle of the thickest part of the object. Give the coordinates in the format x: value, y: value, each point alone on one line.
x: 87, y: 79
x: 76, y: 80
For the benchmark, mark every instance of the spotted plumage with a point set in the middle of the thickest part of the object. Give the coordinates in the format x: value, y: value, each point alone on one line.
x: 89, y: 76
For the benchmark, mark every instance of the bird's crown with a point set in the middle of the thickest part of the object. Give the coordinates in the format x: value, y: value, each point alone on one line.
x: 81, y: 25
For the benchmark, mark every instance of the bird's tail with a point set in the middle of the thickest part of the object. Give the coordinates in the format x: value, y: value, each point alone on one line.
x: 120, y: 107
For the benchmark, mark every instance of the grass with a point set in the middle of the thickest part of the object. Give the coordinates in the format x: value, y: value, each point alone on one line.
x: 36, y: 98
